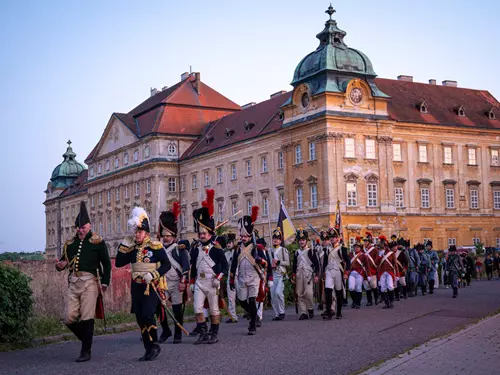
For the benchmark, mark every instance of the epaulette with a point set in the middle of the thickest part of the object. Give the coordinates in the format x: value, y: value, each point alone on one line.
x: 216, y: 246
x: 95, y: 239
x: 155, y: 245
x: 70, y: 241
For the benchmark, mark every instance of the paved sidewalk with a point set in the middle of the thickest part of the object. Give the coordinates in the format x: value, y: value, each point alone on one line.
x: 473, y: 350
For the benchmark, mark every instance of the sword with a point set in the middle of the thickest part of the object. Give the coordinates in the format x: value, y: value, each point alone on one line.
x: 170, y: 313
x: 102, y: 297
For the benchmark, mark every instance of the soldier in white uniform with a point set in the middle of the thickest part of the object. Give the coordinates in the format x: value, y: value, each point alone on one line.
x: 231, y: 293
x: 336, y: 263
x: 280, y: 260
x: 208, y: 266
x: 305, y: 271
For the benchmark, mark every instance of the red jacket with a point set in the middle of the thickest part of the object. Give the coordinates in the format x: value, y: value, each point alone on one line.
x: 360, y: 264
x: 387, y: 263
x: 373, y: 253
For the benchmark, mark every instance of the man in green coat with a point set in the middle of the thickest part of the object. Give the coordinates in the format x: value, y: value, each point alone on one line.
x: 86, y: 257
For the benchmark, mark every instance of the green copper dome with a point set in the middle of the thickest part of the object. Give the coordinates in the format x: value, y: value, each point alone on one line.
x: 333, y: 54
x: 66, y: 172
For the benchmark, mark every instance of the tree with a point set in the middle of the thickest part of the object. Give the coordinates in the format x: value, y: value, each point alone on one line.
x: 479, y: 248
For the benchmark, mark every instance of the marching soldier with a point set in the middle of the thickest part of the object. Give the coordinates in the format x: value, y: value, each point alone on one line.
x: 208, y: 266
x: 413, y: 268
x: 248, y: 264
x: 387, y: 271
x: 434, y: 261
x: 371, y: 286
x: 149, y: 265
x: 268, y: 276
x: 360, y: 271
x: 321, y: 250
x: 336, y: 263
x: 305, y: 269
x: 178, y: 275
x: 280, y: 260
x: 402, y: 267
x: 83, y: 256
x: 231, y: 293
x: 423, y: 269
x: 454, y: 269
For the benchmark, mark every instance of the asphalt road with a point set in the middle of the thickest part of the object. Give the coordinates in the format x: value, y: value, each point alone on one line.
x: 362, y: 338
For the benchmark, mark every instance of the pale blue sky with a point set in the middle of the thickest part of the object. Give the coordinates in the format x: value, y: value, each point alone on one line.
x: 67, y: 65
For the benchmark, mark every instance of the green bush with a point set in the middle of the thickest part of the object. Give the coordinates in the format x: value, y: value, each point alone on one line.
x: 15, y: 307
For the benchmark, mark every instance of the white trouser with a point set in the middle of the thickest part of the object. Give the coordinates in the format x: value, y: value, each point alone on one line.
x: 402, y: 280
x: 278, y: 294
x: 334, y: 279
x: 355, y: 282
x: 231, y: 299
x: 436, y: 277
x: 260, y: 308
x: 173, y: 291
x: 304, y: 288
x: 372, y: 284
x: 203, y: 289
x: 248, y: 286
x: 386, y: 282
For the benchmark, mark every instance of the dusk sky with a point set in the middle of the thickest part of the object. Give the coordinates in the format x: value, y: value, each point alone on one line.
x: 66, y: 66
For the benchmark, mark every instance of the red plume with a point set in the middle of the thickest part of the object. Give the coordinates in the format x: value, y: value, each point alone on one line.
x: 255, y: 213
x: 210, y: 201
x: 317, y: 241
x: 204, y: 204
x: 368, y: 234
x: 176, y: 209
x: 382, y: 238
x: 358, y: 238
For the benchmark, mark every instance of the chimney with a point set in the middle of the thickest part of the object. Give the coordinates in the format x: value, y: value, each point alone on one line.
x: 278, y: 93
x: 164, y: 88
x: 449, y: 83
x: 248, y: 105
x: 153, y: 91
x: 184, y: 76
x: 197, y: 82
x: 405, y: 78
x: 432, y: 82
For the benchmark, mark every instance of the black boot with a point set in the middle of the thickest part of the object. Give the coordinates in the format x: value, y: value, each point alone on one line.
x: 214, y: 333
x: 431, y: 286
x: 354, y: 299
x: 196, y: 331
x: 369, y: 298
x: 385, y: 298
x: 177, y: 310
x: 345, y: 301
x: 396, y: 293
x: 203, y: 338
x: 375, y: 296
x: 391, y: 299
x: 405, y: 292
x: 87, y: 335
x: 455, y: 292
x: 310, y: 313
x: 76, y: 328
x: 358, y: 300
x: 328, y: 302
x: 252, y: 312
x: 166, y: 332
x: 411, y: 288
x: 340, y: 296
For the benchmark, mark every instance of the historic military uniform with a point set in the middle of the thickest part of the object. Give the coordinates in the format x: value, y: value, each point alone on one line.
x: 402, y: 267
x: 231, y: 293
x: 178, y: 275
x: 413, y: 268
x: 454, y: 269
x: 249, y: 265
x: 305, y: 267
x: 360, y: 271
x: 208, y: 267
x: 321, y: 243
x: 85, y: 258
x: 268, y: 276
x: 149, y: 264
x: 423, y: 270
x: 336, y: 263
x: 280, y: 260
x: 371, y: 286
x: 433, y: 266
x: 387, y: 273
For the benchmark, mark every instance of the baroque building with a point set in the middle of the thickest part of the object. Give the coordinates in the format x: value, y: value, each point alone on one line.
x: 420, y: 160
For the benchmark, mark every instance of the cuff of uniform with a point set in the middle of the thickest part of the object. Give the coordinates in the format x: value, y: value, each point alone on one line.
x: 219, y: 276
x: 270, y: 278
x: 191, y: 281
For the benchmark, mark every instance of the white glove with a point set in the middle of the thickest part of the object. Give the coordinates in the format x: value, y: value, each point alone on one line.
x: 147, y: 278
x: 191, y: 287
x: 369, y: 278
x: 216, y: 283
x: 270, y: 283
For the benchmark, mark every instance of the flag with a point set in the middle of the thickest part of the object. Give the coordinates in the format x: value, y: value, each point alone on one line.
x: 285, y: 223
x: 338, y: 221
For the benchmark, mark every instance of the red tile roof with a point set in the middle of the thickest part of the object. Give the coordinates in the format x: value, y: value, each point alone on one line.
x: 442, y: 104
x: 263, y: 118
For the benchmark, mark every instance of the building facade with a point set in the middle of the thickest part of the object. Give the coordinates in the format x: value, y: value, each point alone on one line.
x: 420, y: 160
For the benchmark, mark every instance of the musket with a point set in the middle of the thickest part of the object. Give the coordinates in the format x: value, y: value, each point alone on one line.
x: 170, y: 313
x: 310, y: 226
x: 102, y: 297
x: 226, y: 221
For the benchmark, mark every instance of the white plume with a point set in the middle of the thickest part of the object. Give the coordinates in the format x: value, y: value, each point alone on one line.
x: 138, y: 214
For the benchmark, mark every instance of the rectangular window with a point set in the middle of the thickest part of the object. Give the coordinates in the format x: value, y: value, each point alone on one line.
x: 476, y: 241
x: 496, y: 200
x: 172, y: 184
x: 398, y: 197
x: 396, y: 152
x: 110, y: 225
x: 219, y: 175
x: 109, y: 196
x: 424, y: 198
x: 234, y: 208
x: 352, y: 199
x: 372, y: 195
x: 314, y: 196
x: 281, y: 161
x: 101, y: 228
x: 352, y: 241
x: 148, y: 186
x: 452, y: 241
x: 92, y: 201
x: 194, y: 182
x: 126, y: 191
x: 312, y: 150
x: 137, y: 189
x: 183, y: 184
x: 350, y: 151
x: 447, y: 155
x: 422, y: 153
x: 495, y: 161
x: 472, y: 156
x: 233, y: 172
x: 249, y: 167
x: 220, y: 214
x: 249, y: 206
x: 183, y: 219
x: 117, y: 192
x: 450, y: 198
x: 474, y: 199
x: 298, y: 154
x: 299, y: 199
x: 264, y: 164
x: 265, y: 206
x: 118, y: 224
x: 100, y: 199
x: 370, y: 148
x: 207, y: 179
